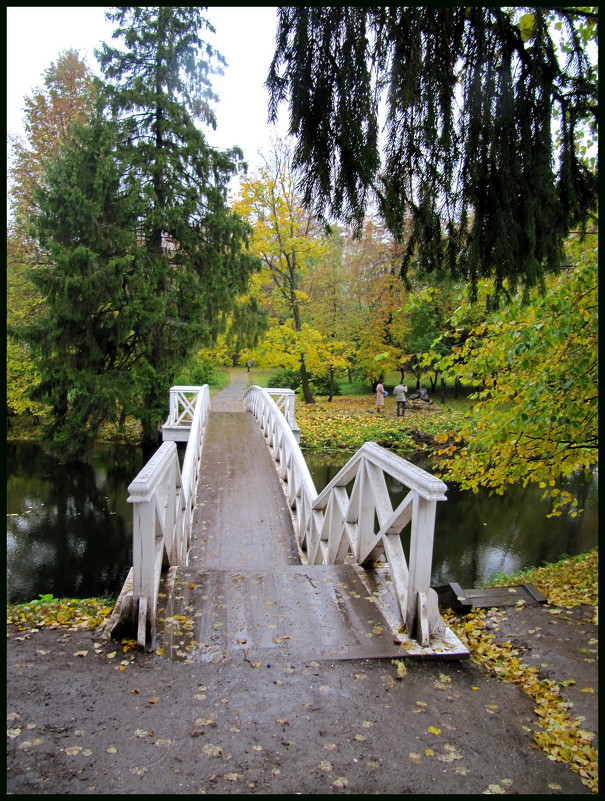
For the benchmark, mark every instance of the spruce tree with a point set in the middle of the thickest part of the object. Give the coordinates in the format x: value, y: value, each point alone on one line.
x: 471, y: 176
x: 89, y: 333
x: 158, y: 88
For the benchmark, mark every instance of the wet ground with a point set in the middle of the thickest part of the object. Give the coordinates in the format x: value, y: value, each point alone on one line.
x: 81, y: 722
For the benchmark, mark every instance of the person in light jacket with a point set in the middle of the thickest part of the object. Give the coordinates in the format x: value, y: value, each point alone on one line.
x: 400, y: 393
x: 380, y: 396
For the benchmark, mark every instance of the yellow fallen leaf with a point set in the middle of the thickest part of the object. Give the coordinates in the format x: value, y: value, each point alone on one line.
x: 429, y: 752
x: 433, y: 730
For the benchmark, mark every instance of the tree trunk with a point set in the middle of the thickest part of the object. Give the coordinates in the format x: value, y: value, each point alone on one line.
x: 332, y: 385
x: 443, y: 390
x: 304, y: 378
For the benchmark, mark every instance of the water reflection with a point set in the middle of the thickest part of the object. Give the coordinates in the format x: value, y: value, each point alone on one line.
x: 69, y: 527
x: 478, y: 535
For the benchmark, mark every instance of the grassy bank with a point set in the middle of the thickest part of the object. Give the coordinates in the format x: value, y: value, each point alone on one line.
x: 350, y: 420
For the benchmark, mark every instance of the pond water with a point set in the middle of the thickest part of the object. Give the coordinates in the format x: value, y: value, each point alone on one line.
x: 69, y: 528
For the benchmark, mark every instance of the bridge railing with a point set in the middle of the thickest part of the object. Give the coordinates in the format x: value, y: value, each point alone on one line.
x: 352, y: 519
x: 181, y: 412
x: 285, y: 400
x: 163, y: 498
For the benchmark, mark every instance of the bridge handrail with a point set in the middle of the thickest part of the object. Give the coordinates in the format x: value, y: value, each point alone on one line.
x: 181, y: 410
x: 333, y: 526
x: 163, y: 498
x: 285, y: 399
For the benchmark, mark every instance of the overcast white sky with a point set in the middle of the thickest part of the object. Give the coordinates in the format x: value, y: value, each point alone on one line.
x: 245, y: 36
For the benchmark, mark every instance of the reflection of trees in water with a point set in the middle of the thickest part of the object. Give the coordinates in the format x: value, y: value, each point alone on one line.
x: 65, y: 535
x: 478, y: 535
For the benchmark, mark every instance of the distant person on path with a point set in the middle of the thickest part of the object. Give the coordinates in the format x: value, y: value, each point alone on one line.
x: 380, y: 396
x: 400, y: 393
x: 249, y: 364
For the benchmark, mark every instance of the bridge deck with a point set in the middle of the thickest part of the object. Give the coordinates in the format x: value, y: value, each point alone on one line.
x: 246, y: 590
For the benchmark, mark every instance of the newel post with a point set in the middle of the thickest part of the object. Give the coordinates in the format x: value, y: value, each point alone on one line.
x: 143, y: 549
x: 422, y: 618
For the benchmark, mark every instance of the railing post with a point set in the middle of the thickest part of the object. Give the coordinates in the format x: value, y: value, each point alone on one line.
x: 421, y: 554
x: 143, y: 561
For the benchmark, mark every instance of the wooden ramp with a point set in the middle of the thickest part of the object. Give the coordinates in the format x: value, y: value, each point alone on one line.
x: 302, y: 612
x: 452, y: 596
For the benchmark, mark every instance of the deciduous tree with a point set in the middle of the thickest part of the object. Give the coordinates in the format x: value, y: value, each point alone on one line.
x: 287, y: 239
x: 536, y: 419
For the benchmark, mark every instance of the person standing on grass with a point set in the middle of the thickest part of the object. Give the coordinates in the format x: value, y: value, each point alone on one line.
x: 400, y: 393
x: 380, y: 396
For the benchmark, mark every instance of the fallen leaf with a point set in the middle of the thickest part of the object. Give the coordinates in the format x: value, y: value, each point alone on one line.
x: 433, y: 730
x: 212, y: 750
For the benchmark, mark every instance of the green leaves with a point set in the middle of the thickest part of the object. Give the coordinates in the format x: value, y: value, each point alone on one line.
x: 527, y: 27
x: 536, y: 415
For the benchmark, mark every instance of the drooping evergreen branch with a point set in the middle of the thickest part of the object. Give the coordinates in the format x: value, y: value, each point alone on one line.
x: 445, y: 118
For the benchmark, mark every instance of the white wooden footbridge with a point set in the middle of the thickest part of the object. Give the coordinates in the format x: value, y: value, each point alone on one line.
x: 239, y: 542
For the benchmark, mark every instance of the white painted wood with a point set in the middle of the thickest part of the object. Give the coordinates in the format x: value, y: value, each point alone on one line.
x: 333, y: 526
x: 163, y: 499
x: 421, y: 553
x: 422, y: 633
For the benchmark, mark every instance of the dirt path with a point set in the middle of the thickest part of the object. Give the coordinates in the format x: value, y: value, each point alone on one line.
x: 85, y: 718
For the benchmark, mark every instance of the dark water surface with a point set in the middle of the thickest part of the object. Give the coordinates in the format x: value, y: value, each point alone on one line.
x: 69, y: 528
